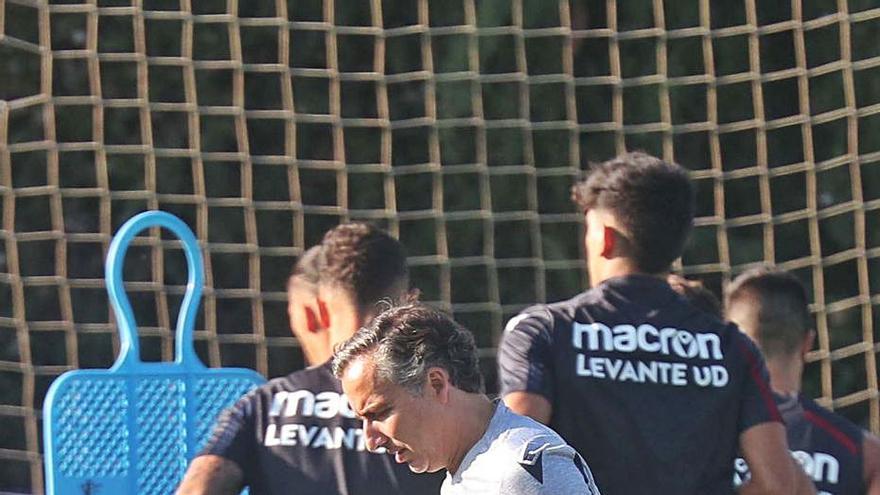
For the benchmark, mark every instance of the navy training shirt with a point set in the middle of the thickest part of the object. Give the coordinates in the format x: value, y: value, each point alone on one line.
x: 827, y: 446
x: 299, y: 434
x: 649, y: 389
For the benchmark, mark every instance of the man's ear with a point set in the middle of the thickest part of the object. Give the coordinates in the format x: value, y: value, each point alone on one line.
x: 313, y: 320
x: 438, y: 384
x: 323, y: 315
x: 609, y: 241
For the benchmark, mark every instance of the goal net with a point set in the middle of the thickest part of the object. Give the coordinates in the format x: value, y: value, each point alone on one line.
x: 459, y: 125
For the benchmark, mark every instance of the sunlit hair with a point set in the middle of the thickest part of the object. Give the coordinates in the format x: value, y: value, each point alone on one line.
x: 307, y: 269
x: 404, y: 342
x: 653, y: 200
x: 772, y: 306
x: 366, y: 262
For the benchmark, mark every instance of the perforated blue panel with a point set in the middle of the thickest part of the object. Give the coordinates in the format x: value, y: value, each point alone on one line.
x: 92, y: 431
x: 161, y: 432
x: 133, y: 428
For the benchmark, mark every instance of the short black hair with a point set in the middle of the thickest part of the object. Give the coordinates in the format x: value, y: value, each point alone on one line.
x: 405, y: 341
x: 364, y: 261
x: 776, y: 309
x: 652, y: 199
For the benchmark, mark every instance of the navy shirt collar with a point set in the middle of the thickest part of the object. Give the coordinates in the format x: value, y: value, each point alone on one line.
x: 635, y: 281
x: 638, y: 289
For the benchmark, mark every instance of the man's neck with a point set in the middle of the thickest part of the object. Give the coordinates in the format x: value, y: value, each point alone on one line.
x: 785, y: 374
x: 319, y: 351
x: 470, y: 424
x: 618, y: 267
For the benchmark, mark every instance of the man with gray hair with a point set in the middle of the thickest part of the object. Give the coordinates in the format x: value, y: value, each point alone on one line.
x: 412, y: 376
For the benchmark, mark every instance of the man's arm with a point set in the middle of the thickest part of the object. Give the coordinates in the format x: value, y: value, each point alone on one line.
x: 529, y: 404
x: 525, y: 364
x: 229, y: 453
x: 211, y: 474
x: 871, y: 463
x: 762, y: 438
x: 773, y: 470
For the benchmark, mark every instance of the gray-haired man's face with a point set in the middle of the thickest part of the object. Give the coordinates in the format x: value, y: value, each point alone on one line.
x: 394, y: 419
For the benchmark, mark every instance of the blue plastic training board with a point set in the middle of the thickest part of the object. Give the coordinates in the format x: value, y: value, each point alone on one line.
x: 132, y: 429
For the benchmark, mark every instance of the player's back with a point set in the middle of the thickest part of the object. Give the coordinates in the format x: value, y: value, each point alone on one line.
x: 299, y: 434
x: 646, y: 387
x: 828, y: 446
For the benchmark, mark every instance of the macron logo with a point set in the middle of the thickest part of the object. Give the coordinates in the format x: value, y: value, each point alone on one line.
x: 647, y: 338
x: 819, y: 466
x: 305, y: 403
x: 657, y: 344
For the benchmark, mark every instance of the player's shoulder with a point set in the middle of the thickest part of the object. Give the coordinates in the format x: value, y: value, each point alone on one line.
x: 315, y: 379
x: 521, y: 436
x: 551, y: 314
x: 526, y: 450
x: 543, y: 463
x: 835, y: 424
x: 318, y: 378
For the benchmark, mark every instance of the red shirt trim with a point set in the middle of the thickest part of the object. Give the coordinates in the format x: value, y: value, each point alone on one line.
x: 832, y: 430
x: 763, y: 386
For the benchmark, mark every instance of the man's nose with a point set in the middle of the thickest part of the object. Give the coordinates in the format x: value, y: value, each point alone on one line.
x: 374, y: 438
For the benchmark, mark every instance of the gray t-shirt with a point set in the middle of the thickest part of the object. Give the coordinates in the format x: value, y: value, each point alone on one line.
x: 519, y: 456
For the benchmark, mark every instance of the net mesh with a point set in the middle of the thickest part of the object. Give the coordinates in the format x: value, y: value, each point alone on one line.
x: 457, y: 125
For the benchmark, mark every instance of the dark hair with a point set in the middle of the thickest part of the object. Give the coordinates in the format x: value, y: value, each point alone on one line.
x: 405, y: 341
x: 366, y: 262
x: 307, y: 269
x: 697, y: 294
x: 652, y: 199
x: 776, y: 306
